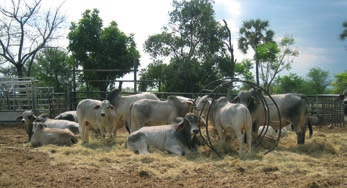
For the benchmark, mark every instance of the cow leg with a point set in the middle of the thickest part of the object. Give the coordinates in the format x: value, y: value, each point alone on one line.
x: 175, y: 149
x: 85, y: 131
x: 137, y: 142
x: 239, y: 138
x: 300, y: 133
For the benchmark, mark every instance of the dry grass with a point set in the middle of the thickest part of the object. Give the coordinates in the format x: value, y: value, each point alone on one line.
x: 287, y: 159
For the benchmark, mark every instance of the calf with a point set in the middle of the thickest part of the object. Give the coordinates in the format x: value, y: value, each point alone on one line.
x: 225, y: 115
x: 28, y: 117
x: 174, y: 138
x: 96, y: 115
x: 44, y: 136
x: 271, y: 132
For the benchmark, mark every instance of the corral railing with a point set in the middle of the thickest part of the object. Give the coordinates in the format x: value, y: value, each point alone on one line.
x: 17, y: 95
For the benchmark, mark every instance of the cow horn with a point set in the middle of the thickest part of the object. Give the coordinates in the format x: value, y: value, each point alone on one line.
x: 235, y: 99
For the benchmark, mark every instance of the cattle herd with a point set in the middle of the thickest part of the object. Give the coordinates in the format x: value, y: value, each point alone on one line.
x: 170, y: 125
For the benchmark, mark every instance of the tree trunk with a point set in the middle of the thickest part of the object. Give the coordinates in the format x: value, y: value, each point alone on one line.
x: 19, y: 68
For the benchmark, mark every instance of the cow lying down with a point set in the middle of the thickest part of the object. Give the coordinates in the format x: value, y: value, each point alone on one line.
x: 271, y: 132
x: 44, y: 136
x: 174, y: 138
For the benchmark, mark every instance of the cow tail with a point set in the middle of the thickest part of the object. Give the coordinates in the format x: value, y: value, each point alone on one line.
x: 308, y: 117
x: 310, y: 127
x: 126, y: 125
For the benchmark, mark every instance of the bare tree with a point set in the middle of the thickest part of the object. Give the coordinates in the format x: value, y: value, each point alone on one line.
x: 25, y: 30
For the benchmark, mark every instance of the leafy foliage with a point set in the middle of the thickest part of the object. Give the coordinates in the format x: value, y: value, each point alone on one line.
x: 273, y: 58
x: 340, y: 84
x: 95, y: 47
x: 193, y: 41
x: 253, y: 33
x: 52, y: 68
x: 318, y: 78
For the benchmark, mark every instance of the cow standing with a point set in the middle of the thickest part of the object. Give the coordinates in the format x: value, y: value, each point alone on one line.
x: 225, y: 115
x: 44, y: 136
x: 122, y: 104
x: 343, y: 97
x: 292, y: 108
x: 96, y: 115
x: 146, y: 112
x: 174, y: 138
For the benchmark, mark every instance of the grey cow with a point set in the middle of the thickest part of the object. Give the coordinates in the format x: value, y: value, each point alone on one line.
x: 148, y: 112
x: 174, y: 138
x: 122, y: 105
x: 28, y: 117
x: 292, y: 108
x: 343, y: 97
x: 44, y: 136
x: 68, y: 115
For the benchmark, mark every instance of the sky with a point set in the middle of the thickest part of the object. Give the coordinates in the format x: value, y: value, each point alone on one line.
x: 315, y: 25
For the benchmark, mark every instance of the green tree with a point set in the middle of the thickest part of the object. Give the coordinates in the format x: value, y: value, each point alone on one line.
x: 253, y: 33
x: 25, y: 30
x: 318, y: 78
x: 273, y: 58
x: 194, y: 43
x: 53, y: 69
x: 291, y: 83
x: 340, y: 83
x: 343, y: 35
x: 95, y: 47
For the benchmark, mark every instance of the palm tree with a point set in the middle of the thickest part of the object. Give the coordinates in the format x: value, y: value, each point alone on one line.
x: 343, y: 35
x: 252, y: 33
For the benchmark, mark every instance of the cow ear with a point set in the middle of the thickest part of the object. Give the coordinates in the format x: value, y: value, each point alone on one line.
x: 190, y: 103
x: 235, y: 100
x: 19, y: 117
x: 254, y: 100
x: 96, y: 107
x: 181, y: 125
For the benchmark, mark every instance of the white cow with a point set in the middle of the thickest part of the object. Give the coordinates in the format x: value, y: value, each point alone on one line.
x: 146, y: 112
x: 96, y: 115
x: 28, y: 117
x: 44, y: 136
x: 122, y: 105
x: 174, y: 138
x: 270, y: 132
x: 225, y: 115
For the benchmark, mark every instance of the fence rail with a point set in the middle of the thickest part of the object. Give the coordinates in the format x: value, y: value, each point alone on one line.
x: 19, y: 95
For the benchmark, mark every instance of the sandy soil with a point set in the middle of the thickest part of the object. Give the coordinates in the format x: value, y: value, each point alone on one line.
x: 24, y: 166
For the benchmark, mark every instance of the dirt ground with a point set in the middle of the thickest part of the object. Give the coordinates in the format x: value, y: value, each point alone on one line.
x: 24, y: 166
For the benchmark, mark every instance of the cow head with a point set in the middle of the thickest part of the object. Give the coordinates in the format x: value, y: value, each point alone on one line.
x: 27, y: 117
x: 250, y: 98
x: 105, y: 107
x: 202, y: 105
x: 189, y: 124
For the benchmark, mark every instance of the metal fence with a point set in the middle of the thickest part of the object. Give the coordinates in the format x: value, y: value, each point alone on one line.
x: 17, y: 95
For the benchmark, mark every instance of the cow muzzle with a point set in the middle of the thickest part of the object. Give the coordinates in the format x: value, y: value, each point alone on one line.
x: 195, y: 131
x: 102, y: 114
